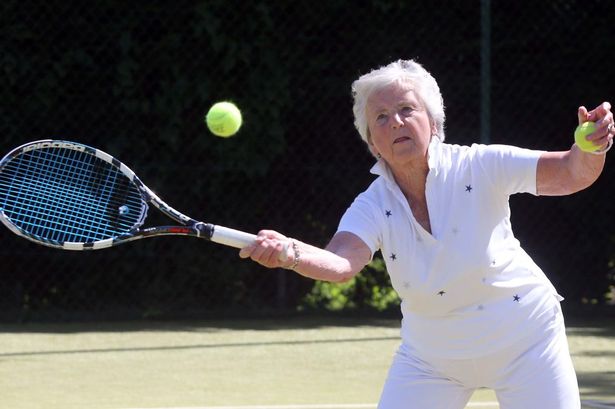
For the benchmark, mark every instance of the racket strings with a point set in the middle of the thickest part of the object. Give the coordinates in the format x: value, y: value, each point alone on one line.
x: 36, y: 195
x: 66, y: 195
x: 59, y: 195
x: 61, y: 202
x: 52, y: 191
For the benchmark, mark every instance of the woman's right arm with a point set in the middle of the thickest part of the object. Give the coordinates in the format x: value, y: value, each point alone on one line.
x: 344, y: 257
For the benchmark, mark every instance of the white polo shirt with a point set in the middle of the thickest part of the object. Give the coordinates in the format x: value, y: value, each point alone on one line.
x: 468, y: 288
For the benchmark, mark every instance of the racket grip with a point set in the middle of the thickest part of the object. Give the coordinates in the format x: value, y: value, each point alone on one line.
x: 232, y: 237
x: 238, y: 239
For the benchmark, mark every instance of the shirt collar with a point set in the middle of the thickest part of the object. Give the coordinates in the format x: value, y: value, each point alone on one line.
x: 434, y: 150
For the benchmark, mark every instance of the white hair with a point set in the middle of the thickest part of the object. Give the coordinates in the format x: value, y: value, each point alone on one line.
x: 425, y: 87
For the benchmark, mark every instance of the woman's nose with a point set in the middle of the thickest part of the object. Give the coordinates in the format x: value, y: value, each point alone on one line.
x: 397, y: 121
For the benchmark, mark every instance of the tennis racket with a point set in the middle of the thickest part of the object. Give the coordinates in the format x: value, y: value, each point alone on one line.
x: 71, y: 196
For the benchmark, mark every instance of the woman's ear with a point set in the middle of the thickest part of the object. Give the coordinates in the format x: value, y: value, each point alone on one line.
x: 434, y: 128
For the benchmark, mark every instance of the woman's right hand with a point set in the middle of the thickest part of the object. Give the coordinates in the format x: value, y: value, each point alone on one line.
x: 270, y: 249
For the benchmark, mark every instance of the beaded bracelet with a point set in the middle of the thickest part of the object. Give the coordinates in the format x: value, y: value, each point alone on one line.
x: 296, y: 256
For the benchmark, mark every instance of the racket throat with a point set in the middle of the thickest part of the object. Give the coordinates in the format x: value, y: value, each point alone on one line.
x: 205, y: 230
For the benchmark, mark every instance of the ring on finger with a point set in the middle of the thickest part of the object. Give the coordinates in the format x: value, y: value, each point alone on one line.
x: 609, y: 128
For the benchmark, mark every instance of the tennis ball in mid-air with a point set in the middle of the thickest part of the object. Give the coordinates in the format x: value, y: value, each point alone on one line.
x: 579, y: 137
x: 223, y: 119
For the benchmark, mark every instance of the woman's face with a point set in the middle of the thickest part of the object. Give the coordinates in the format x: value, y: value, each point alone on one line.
x: 399, y: 125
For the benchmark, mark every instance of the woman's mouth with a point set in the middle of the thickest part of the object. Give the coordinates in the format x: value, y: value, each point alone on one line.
x: 401, y: 139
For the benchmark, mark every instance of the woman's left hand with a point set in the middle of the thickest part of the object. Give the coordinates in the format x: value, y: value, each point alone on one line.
x: 603, y: 117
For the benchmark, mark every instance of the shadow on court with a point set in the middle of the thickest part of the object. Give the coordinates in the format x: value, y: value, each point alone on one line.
x: 275, y: 322
x: 598, y: 385
x: 200, y: 346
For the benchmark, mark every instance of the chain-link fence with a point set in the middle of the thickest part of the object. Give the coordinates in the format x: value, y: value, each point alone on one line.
x: 135, y: 79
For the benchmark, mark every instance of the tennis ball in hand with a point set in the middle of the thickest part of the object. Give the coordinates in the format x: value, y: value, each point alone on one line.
x: 581, y: 132
x: 223, y: 119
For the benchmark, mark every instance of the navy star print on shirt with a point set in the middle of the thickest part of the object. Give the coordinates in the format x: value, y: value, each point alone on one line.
x: 468, y: 188
x: 388, y: 214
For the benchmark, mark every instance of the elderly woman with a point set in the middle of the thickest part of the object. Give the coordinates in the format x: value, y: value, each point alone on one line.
x: 477, y: 311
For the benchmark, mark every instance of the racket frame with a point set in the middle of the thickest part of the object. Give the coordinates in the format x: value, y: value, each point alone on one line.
x: 187, y: 226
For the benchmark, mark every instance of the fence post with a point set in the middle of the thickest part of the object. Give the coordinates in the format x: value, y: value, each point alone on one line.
x: 485, y: 71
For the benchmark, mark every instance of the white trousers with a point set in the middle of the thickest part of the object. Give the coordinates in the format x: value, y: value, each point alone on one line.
x: 538, y: 376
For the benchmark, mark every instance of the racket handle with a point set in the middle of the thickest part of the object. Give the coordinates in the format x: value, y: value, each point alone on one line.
x: 238, y: 239
x: 232, y: 237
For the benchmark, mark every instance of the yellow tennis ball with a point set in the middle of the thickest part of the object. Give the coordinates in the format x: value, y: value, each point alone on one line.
x: 579, y: 137
x: 223, y: 119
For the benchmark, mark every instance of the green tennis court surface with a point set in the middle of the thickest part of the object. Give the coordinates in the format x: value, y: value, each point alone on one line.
x: 300, y: 363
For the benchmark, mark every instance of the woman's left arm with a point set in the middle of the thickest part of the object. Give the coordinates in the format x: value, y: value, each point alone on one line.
x: 563, y: 173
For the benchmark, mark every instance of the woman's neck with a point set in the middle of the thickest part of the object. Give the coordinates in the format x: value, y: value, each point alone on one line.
x: 411, y: 182
x: 411, y: 179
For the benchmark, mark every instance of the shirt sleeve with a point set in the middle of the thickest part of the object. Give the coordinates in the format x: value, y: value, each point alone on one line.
x: 511, y: 169
x: 361, y: 219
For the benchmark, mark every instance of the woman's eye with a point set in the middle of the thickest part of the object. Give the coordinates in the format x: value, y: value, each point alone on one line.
x: 406, y: 111
x: 381, y: 118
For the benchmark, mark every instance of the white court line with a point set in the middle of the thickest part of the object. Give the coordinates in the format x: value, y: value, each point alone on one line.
x: 314, y: 406
x: 588, y: 403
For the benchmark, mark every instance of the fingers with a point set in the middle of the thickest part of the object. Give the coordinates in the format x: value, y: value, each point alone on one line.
x: 268, y: 249
x: 603, y: 117
x: 598, y: 113
x: 582, y: 114
x: 604, y: 130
